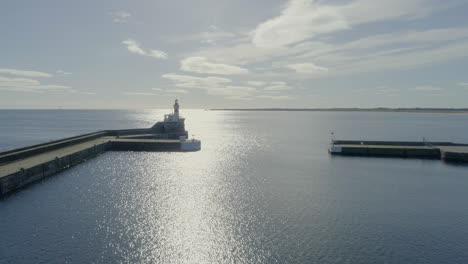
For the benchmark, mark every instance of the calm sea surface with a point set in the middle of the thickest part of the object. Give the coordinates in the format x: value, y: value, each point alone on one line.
x: 263, y: 189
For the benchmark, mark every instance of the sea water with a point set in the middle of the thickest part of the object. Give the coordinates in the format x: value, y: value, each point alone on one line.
x: 263, y: 189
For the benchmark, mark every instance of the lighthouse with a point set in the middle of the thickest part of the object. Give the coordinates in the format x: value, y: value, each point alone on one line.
x: 176, y: 108
x: 174, y: 116
x: 173, y: 126
x: 174, y: 120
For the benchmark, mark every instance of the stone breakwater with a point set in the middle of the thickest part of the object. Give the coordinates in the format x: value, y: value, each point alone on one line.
x: 20, y: 167
x: 447, y: 151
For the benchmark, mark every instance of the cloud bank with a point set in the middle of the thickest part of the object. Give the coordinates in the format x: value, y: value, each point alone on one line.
x: 25, y: 73
x: 30, y: 85
x: 201, y: 65
x: 134, y: 47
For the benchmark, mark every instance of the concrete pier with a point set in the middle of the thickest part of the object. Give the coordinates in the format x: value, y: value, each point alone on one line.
x: 23, y: 166
x: 454, y: 153
x: 447, y: 151
x: 145, y: 145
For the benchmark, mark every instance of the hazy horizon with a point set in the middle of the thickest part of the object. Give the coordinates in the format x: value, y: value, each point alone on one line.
x: 233, y: 54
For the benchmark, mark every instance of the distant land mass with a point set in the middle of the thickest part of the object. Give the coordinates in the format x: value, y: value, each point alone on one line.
x: 378, y: 109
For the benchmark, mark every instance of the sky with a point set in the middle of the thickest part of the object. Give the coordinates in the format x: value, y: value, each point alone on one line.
x: 116, y: 54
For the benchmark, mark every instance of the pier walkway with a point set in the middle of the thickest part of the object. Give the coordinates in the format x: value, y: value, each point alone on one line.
x: 447, y: 151
x: 12, y: 167
x: 26, y: 165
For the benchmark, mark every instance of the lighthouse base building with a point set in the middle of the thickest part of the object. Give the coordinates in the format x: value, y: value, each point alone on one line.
x: 173, y: 126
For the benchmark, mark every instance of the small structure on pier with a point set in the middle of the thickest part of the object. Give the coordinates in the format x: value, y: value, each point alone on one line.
x: 173, y: 126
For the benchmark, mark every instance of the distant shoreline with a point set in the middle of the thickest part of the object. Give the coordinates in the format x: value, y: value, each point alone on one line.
x: 390, y: 110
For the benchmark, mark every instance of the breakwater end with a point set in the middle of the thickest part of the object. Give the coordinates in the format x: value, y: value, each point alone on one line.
x: 446, y: 151
x: 22, y: 166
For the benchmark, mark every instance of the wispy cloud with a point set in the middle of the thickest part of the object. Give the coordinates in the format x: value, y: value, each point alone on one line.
x: 256, y: 83
x: 309, y: 68
x: 410, y: 37
x: 61, y: 72
x: 427, y: 88
x: 303, y: 19
x: 140, y: 93
x: 201, y: 65
x: 178, y: 91
x: 23, y: 73
x: 157, y: 54
x: 30, y: 85
x: 206, y: 37
x: 370, y: 11
x: 233, y: 92
x: 275, y: 97
x: 277, y: 86
x: 120, y: 16
x: 223, y: 87
x: 241, y: 53
x: 158, y: 92
x: 186, y: 81
x: 170, y: 91
x: 397, y: 50
x: 300, y: 20
x: 212, y: 85
x: 463, y: 84
x: 134, y: 47
x: 303, y: 31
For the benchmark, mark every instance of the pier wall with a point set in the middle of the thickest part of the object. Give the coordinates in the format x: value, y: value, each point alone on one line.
x: 26, y: 176
x: 175, y: 135
x: 126, y: 132
x: 456, y: 157
x: 393, y: 143
x: 401, y: 152
x: 23, y: 166
x: 22, y: 153
x: 144, y: 146
x: 447, y: 151
x: 32, y: 173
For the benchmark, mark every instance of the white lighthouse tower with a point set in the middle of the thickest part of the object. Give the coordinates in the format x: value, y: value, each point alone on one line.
x: 176, y: 109
x: 174, y: 117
